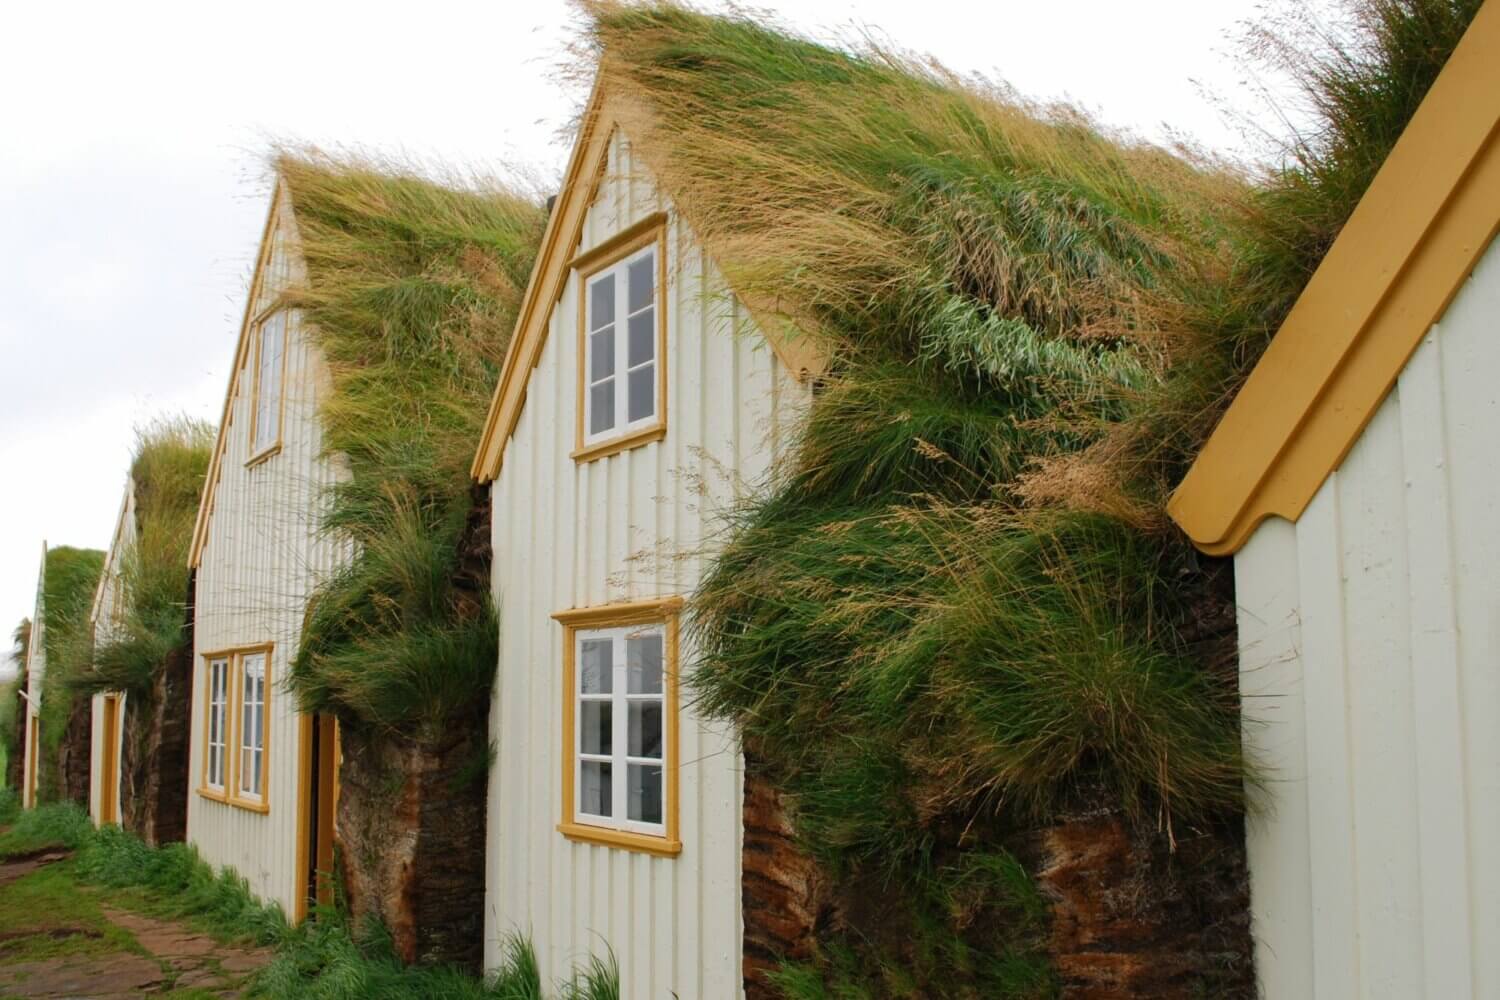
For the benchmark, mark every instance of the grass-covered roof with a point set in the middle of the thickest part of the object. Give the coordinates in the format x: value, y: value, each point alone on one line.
x: 150, y: 622
x: 958, y: 606
x: 70, y: 576
x: 411, y: 295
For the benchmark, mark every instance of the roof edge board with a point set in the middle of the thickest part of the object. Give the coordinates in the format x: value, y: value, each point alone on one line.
x: 1430, y: 212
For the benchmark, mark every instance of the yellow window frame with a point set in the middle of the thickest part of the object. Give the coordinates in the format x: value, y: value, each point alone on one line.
x: 234, y: 709
x: 664, y: 611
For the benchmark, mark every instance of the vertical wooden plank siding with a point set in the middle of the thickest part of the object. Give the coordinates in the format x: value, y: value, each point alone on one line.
x: 263, y: 558
x: 36, y: 669
x: 1370, y: 666
x: 102, y: 616
x: 626, y: 527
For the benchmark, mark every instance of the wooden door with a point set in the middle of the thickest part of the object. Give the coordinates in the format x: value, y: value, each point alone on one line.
x: 109, y: 786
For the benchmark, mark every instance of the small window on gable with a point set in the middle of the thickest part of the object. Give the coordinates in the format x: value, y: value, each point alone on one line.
x: 620, y: 730
x: 622, y: 339
x: 267, y: 387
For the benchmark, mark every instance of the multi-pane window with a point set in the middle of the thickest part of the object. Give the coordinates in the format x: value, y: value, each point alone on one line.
x: 270, y: 353
x: 620, y: 725
x: 621, y: 346
x: 218, y: 718
x: 252, y: 723
x: 237, y: 701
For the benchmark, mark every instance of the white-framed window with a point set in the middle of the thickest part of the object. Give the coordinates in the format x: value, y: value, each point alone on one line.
x: 621, y: 343
x: 620, y: 702
x: 252, y: 725
x: 270, y: 357
x: 218, y: 717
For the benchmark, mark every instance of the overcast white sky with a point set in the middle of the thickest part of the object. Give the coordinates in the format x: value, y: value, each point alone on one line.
x: 132, y: 190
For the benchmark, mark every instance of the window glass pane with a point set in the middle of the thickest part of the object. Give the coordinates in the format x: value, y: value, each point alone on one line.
x: 596, y: 728
x: 595, y: 794
x: 643, y: 793
x: 643, y: 663
x: 596, y: 663
x: 601, y: 406
x: 602, y: 301
x: 642, y: 338
x: 642, y: 281
x: 645, y: 729
x: 255, y: 788
x: 602, y: 354
x: 268, y: 389
x: 642, y: 393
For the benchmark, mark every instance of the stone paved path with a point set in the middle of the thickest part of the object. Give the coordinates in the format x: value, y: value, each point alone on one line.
x: 182, y: 959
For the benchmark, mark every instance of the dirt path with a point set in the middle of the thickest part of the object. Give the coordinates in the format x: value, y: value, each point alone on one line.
x: 58, y: 939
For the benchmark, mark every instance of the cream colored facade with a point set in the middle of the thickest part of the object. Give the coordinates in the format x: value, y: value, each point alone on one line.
x: 103, y: 614
x: 631, y: 526
x: 258, y: 556
x: 36, y: 669
x: 1370, y: 659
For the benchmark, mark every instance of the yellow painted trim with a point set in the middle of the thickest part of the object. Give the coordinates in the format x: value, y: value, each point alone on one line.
x: 625, y: 442
x: 555, y: 263
x: 304, y: 792
x: 628, y: 240
x: 241, y: 351
x: 663, y: 610
x: 624, y: 613
x: 1414, y: 238
x: 109, y: 780
x: 664, y: 847
x: 28, y: 798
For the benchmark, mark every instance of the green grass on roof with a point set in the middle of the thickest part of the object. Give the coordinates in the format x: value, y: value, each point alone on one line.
x: 411, y: 295
x: 958, y: 607
x: 150, y: 624
x: 72, y: 575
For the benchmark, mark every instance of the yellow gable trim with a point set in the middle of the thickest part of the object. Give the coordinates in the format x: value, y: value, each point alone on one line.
x: 559, y: 247
x: 215, y: 465
x: 1412, y: 241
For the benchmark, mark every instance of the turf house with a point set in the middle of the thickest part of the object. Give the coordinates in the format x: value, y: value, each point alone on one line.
x: 343, y: 638
x: 847, y: 398
x: 1353, y: 480
x: 140, y: 675
x: 55, y: 728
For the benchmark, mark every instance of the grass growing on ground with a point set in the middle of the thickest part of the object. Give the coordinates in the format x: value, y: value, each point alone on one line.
x: 958, y: 607
x: 44, y: 916
x: 58, y: 826
x: 322, y: 959
x: 411, y: 293
x: 170, y: 460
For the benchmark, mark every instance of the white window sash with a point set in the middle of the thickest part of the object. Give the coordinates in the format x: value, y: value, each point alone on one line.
x: 272, y: 334
x: 619, y: 757
x: 621, y: 369
x: 218, y: 718
x: 251, y: 721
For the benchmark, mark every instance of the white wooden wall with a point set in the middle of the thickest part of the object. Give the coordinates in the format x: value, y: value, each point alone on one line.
x: 102, y: 620
x: 36, y: 669
x: 262, y: 559
x: 1370, y: 654
x: 569, y: 535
